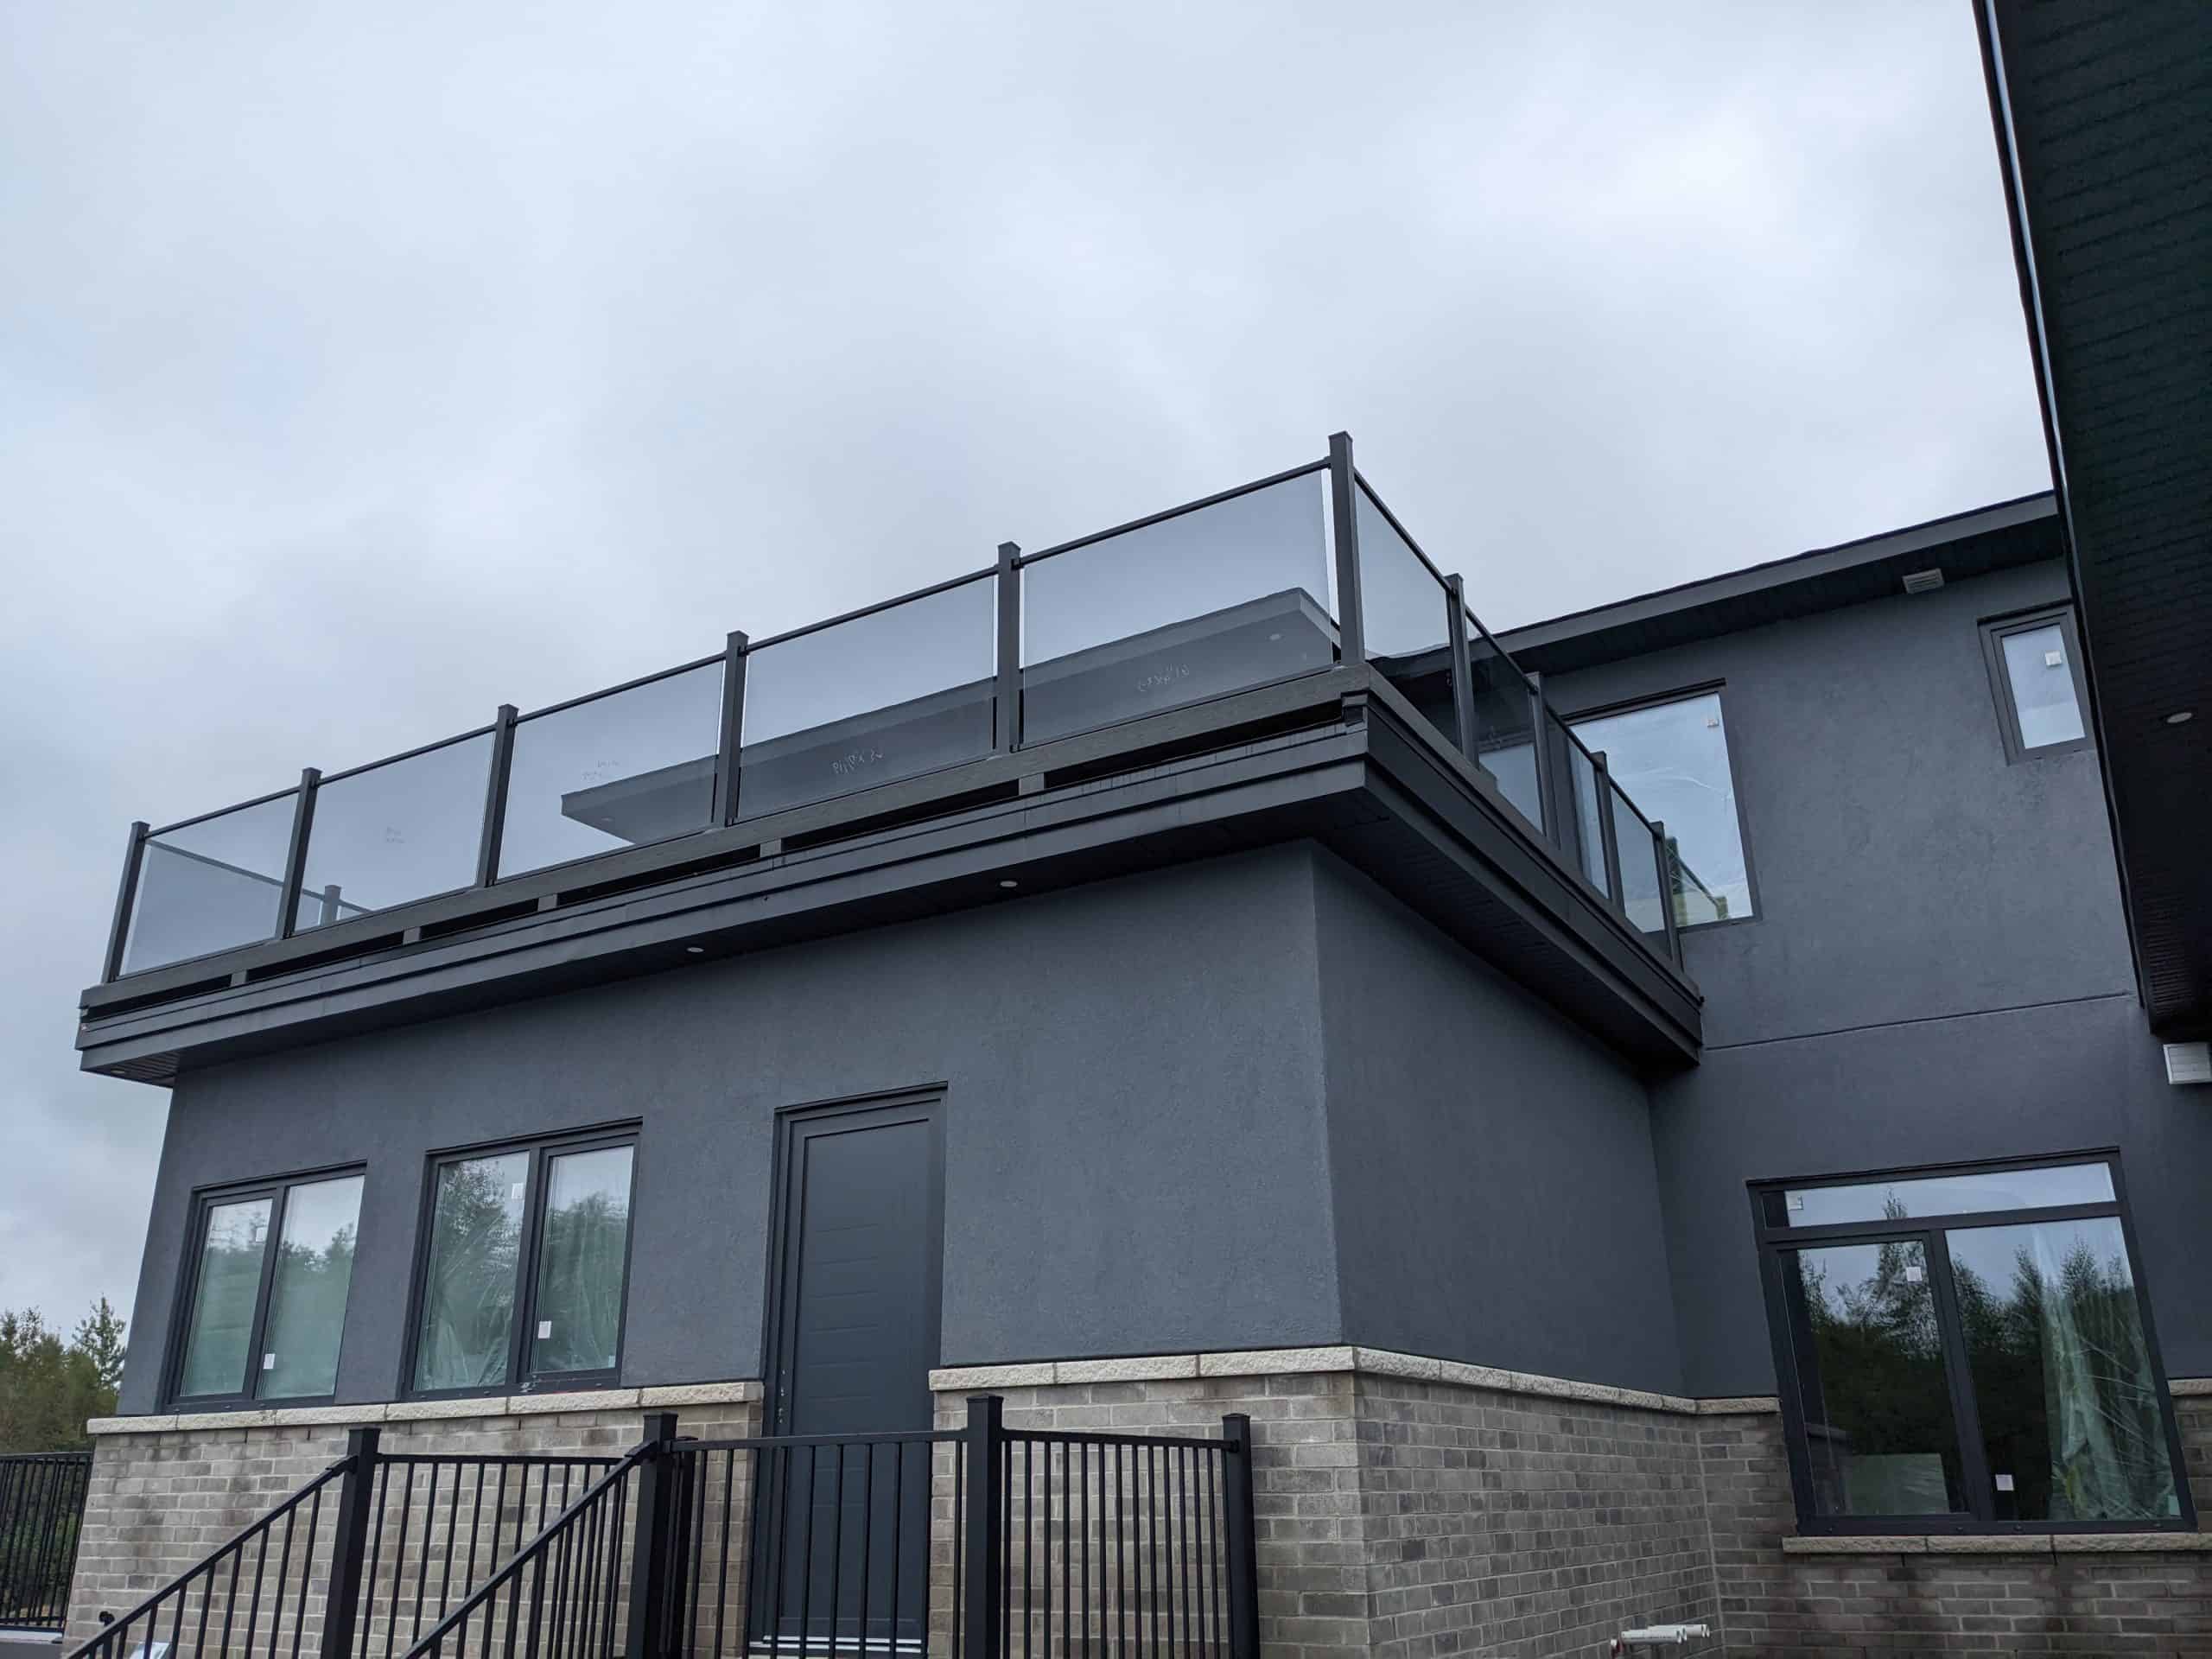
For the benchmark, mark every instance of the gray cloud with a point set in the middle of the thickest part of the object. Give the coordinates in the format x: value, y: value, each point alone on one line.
x: 364, y: 368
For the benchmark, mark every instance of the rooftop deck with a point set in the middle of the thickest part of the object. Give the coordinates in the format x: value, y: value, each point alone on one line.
x: 1253, y: 613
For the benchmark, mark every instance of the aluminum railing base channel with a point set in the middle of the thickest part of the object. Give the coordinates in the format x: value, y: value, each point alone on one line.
x: 1309, y: 758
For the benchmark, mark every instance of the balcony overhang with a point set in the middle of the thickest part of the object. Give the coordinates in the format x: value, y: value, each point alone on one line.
x: 1335, y: 756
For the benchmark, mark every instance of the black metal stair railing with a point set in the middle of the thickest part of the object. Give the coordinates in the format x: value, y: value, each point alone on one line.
x: 41, y: 1508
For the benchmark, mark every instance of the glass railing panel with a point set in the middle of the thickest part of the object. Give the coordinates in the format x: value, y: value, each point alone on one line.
x: 1584, y: 841
x: 1505, y: 727
x: 210, y: 885
x: 622, y: 769
x: 395, y: 832
x: 1217, y: 600
x: 1641, y: 884
x: 1694, y: 901
x: 892, y: 694
x: 1405, y: 611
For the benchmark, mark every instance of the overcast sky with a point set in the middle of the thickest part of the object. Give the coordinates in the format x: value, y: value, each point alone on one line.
x: 364, y: 366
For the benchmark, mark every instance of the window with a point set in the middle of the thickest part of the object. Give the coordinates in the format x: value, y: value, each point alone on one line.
x: 2035, y: 667
x: 525, y: 1267
x: 1672, y: 760
x: 1968, y: 1351
x: 264, y: 1324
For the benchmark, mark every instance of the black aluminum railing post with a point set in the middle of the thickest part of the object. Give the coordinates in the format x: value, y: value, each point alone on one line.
x: 1663, y: 856
x: 1542, y: 727
x: 985, y: 1541
x: 1240, y: 1538
x: 126, y: 895
x: 733, y: 727
x: 1006, y: 696
x: 1462, y: 686
x: 1343, y: 525
x: 1607, y: 836
x: 654, y: 1546
x: 296, y: 856
x: 495, y: 796
x: 349, y: 1543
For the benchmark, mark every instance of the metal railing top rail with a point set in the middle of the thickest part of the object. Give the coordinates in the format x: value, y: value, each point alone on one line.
x: 1167, y: 513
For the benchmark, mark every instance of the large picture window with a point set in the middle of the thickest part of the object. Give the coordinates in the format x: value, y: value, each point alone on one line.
x: 1968, y: 1350
x: 524, y: 1266
x: 271, y: 1266
x: 1672, y: 759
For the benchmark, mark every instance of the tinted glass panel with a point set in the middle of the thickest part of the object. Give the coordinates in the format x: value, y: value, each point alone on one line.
x: 468, y: 1295
x: 890, y: 694
x: 400, y: 831
x: 1407, y: 613
x: 1672, y: 760
x: 1505, y: 744
x: 1871, y: 1381
x: 1638, y: 855
x: 217, y: 1344
x: 1947, y: 1195
x: 2068, y: 1401
x: 306, y: 1294
x: 579, y: 1263
x: 210, y: 886
x: 2042, y: 686
x: 1588, y: 844
x: 1205, y: 603
x: 623, y: 770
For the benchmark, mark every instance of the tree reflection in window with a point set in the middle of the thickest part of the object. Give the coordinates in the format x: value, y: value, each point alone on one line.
x: 468, y: 1299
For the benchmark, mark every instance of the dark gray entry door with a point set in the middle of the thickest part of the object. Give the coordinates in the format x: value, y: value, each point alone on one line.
x: 853, y: 1334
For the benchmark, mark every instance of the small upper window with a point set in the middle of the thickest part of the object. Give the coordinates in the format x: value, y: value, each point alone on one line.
x: 1964, y: 1351
x: 264, y: 1324
x: 525, y: 1269
x: 2035, y: 665
x: 1672, y: 760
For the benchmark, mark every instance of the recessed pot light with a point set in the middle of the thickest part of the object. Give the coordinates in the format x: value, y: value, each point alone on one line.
x: 695, y: 950
x: 2181, y: 716
x: 1008, y: 881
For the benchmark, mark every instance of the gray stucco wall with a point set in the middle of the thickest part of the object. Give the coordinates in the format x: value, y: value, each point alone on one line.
x: 1939, y: 967
x: 1134, y: 1147
x: 1496, y: 1195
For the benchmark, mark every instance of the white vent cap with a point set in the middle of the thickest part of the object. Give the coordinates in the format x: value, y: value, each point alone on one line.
x: 2188, y: 1063
x: 1923, y: 581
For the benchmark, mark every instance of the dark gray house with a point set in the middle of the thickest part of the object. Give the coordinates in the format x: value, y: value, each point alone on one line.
x: 1694, y: 1111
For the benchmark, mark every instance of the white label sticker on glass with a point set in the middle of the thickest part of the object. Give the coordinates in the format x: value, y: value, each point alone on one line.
x: 514, y: 1192
x: 1913, y: 1275
x: 2004, y: 1483
x: 544, y: 1329
x: 269, y: 1362
x: 2054, y: 659
x: 1796, y: 1200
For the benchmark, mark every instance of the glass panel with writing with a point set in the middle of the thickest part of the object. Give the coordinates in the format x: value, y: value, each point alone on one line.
x: 579, y: 1264
x: 1208, y: 602
x: 621, y: 770
x: 306, y: 1293
x: 217, y: 1344
x: 402, y: 831
x: 2042, y: 686
x: 1871, y: 1381
x: 468, y: 1292
x: 890, y: 694
x: 2068, y: 1400
x: 211, y: 886
x: 1947, y: 1195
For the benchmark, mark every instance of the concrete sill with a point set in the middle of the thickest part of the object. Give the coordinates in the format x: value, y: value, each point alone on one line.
x: 2054, y: 1544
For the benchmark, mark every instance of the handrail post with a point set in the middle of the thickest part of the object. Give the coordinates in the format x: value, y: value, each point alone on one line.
x: 1006, y: 694
x: 1608, y: 836
x: 985, y: 1543
x: 126, y: 896
x: 653, y: 1543
x: 349, y: 1543
x: 495, y: 796
x: 296, y: 856
x: 1240, y: 1538
x: 1663, y: 856
x: 1463, y: 686
x: 1542, y: 730
x: 1344, y: 524
x: 733, y: 727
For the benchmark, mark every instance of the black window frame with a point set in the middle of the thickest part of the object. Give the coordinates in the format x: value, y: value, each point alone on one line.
x: 205, y: 1201
x: 541, y: 1150
x: 1774, y: 1240
x: 1717, y: 690
x: 1994, y: 631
